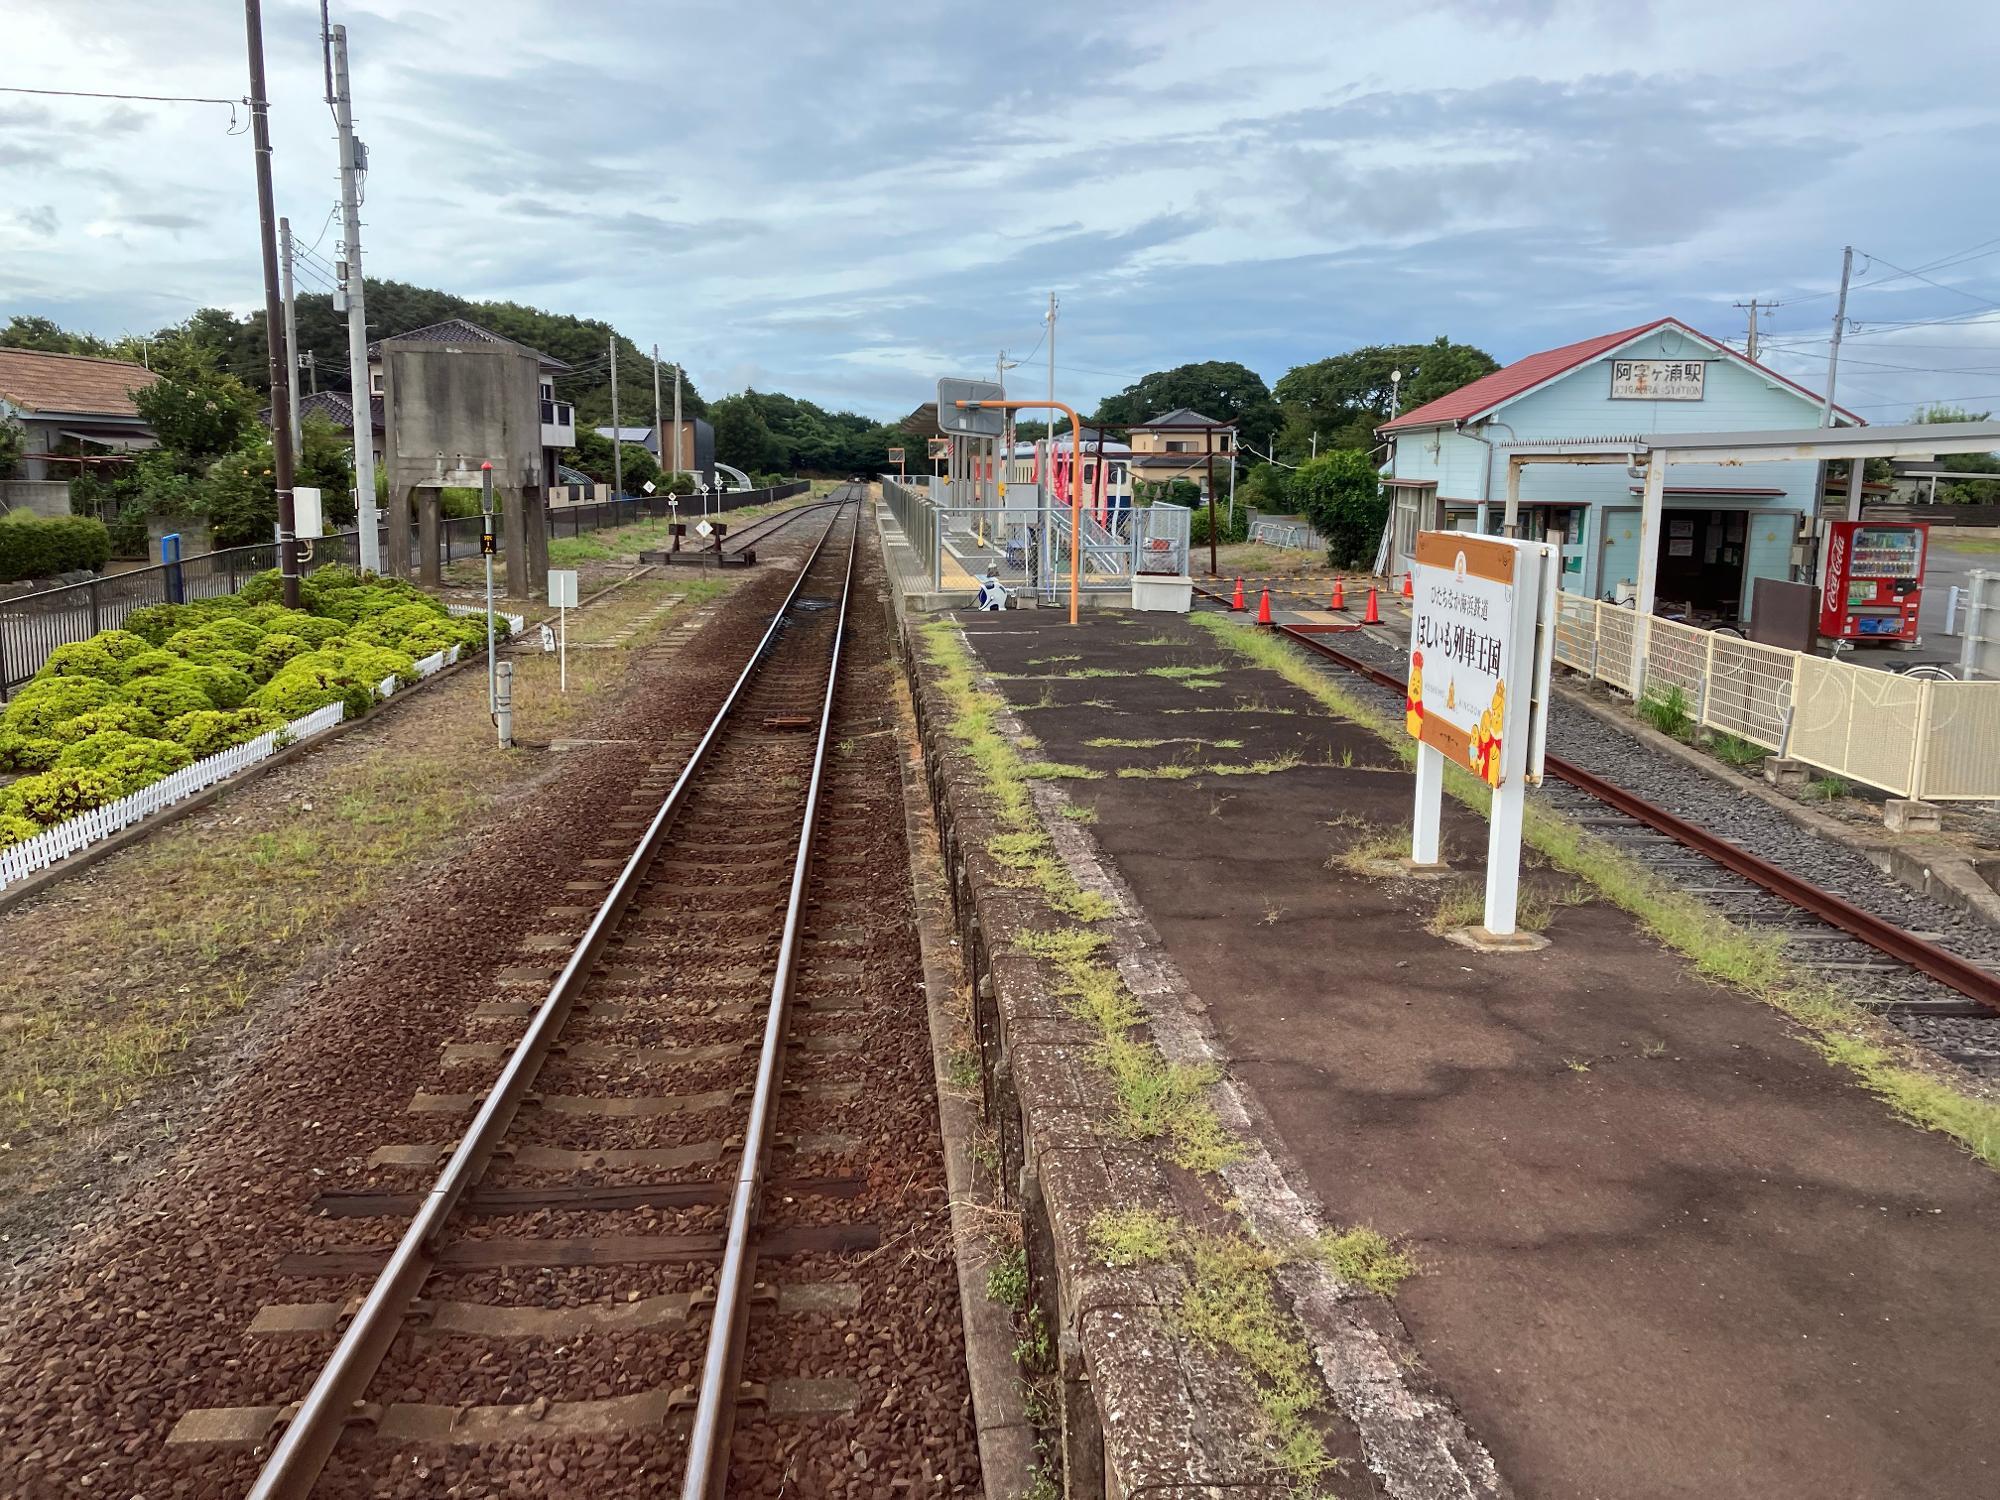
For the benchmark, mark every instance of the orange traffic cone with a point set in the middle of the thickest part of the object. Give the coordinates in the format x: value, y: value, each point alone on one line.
x: 1408, y: 592
x: 1374, y: 615
x: 1264, y: 607
x: 1237, y: 602
x: 1339, y: 596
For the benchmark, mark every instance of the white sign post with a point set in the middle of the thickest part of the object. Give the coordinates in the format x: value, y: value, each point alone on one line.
x: 562, y: 594
x: 1481, y: 645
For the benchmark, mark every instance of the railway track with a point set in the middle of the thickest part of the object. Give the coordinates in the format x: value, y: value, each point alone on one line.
x: 1940, y: 997
x: 702, y: 1094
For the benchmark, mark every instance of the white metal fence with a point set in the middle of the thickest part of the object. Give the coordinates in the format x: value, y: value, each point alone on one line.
x: 1279, y: 532
x: 19, y: 861
x: 1910, y: 737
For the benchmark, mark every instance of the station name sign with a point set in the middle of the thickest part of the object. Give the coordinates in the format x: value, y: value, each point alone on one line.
x: 1464, y: 690
x: 1657, y: 379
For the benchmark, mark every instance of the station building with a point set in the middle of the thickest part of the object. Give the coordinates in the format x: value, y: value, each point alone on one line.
x: 1724, y: 527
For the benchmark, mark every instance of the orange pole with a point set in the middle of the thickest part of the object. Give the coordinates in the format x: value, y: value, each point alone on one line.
x: 1075, y: 485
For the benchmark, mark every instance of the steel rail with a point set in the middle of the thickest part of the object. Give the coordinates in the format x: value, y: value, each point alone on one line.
x: 310, y: 1436
x: 1927, y: 958
x: 776, y: 522
x: 722, y: 1364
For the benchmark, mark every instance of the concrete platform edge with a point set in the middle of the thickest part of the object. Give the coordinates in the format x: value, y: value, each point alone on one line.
x: 999, y: 1411
x: 1141, y: 1413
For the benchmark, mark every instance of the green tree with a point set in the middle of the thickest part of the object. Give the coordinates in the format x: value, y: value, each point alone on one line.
x: 1342, y: 400
x: 1221, y: 389
x: 1341, y: 494
x: 742, y: 440
x: 1967, y: 491
x: 12, y: 442
x: 47, y: 337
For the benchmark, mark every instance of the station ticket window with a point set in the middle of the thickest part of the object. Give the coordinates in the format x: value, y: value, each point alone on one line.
x: 1701, y: 565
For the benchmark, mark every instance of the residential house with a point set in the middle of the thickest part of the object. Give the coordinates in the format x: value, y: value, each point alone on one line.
x: 77, y: 413
x: 1179, y: 445
x: 697, y: 445
x: 1724, y: 528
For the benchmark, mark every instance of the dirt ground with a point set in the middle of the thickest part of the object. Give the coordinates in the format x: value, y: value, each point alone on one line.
x: 1666, y: 1249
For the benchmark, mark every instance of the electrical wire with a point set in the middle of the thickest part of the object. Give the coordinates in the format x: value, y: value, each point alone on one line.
x: 142, y: 98
x: 1941, y: 286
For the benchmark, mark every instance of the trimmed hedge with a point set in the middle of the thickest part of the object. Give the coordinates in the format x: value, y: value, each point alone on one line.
x: 107, y: 716
x: 34, y: 546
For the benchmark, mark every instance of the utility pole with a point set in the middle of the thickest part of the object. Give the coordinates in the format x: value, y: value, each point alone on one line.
x: 677, y: 419
x: 1049, y: 453
x: 291, y: 329
x: 311, y: 361
x: 659, y: 433
x: 353, y: 161
x: 1754, y: 307
x: 617, y: 432
x: 274, y: 329
x: 1839, y: 323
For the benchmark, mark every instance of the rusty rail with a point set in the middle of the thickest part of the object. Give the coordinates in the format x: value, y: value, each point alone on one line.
x: 1885, y: 937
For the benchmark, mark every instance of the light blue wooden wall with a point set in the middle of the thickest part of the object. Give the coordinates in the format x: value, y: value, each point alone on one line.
x: 1579, y: 406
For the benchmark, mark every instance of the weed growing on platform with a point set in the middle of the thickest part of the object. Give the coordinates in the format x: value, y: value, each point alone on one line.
x: 1719, y: 949
x: 1032, y: 858
x: 1463, y: 904
x: 1075, y: 814
x: 1368, y: 856
x: 1157, y: 773
x: 1824, y: 789
x: 1195, y: 678
x: 1056, y: 770
x: 1364, y: 1257
x: 1133, y: 1236
x: 1233, y: 1304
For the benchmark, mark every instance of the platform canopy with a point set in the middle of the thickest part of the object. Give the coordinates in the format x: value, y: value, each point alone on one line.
x: 1910, y: 440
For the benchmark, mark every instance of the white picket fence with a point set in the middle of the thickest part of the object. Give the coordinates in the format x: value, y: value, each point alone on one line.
x: 19, y: 861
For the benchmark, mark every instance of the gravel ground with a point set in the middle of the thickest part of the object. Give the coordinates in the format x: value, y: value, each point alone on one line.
x: 105, y: 1351
x: 1972, y: 1042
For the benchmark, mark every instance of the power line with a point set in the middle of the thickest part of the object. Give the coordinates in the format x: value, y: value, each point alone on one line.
x: 1941, y: 286
x: 143, y: 98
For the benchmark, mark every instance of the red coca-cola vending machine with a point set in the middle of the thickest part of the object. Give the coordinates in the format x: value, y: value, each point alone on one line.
x: 1874, y: 580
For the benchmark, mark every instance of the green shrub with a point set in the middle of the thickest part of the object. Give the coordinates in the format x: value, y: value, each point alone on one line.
x: 14, y: 828
x: 273, y: 652
x: 390, y: 626
x: 34, y: 546
x: 157, y: 623
x: 83, y: 659
x: 93, y: 749
x: 142, y: 763
x: 48, y: 701
x: 20, y: 752
x: 129, y: 718
x: 225, y: 687
x: 168, y: 695
x: 1226, y: 530
x: 1341, y: 494
x: 210, y: 730
x: 152, y: 664
x: 62, y: 793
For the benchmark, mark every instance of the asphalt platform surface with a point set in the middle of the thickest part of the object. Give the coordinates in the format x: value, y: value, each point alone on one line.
x: 1667, y: 1250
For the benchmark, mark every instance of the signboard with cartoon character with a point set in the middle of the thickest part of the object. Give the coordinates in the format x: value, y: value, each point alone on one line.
x: 1463, y: 649
x: 1482, y: 635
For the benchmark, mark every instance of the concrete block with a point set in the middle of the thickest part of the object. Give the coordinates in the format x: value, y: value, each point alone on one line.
x: 1787, y: 772
x: 1163, y: 592
x: 1907, y: 815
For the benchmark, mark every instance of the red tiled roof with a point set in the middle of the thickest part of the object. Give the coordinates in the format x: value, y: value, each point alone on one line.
x: 40, y: 382
x: 1522, y: 376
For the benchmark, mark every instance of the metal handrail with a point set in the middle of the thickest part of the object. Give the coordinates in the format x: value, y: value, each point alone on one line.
x: 302, y: 1449
x: 722, y: 1364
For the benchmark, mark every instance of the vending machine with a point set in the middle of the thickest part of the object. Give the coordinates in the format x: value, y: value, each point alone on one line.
x: 1874, y: 580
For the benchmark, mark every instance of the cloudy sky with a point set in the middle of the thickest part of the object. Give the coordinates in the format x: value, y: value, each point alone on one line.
x: 845, y: 200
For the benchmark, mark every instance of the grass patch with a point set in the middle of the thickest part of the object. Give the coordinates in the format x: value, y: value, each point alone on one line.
x: 1364, y: 1257
x: 1193, y: 677
x: 1718, y: 948
x: 1824, y: 789
x: 1158, y: 773
x: 1732, y: 750
x: 1074, y: 814
x: 1668, y: 712
x: 1463, y: 904
x: 1033, y: 862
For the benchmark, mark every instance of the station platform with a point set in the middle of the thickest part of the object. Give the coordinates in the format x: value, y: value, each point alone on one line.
x: 1663, y: 1249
